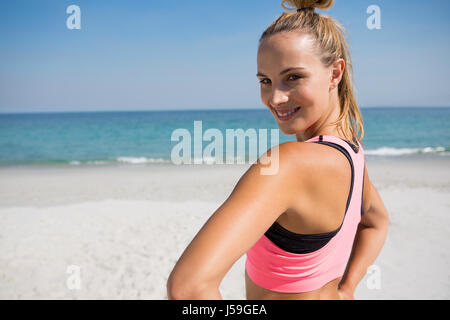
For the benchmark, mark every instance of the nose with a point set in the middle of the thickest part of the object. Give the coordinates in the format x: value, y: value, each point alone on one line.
x: 278, y: 97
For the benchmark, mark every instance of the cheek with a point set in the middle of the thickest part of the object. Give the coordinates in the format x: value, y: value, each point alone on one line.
x: 265, y: 96
x: 313, y: 93
x: 305, y: 95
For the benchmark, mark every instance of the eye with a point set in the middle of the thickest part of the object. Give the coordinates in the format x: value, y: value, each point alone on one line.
x: 294, y: 75
x: 262, y: 81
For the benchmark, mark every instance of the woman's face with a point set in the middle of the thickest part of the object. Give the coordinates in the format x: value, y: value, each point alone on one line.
x: 295, y: 85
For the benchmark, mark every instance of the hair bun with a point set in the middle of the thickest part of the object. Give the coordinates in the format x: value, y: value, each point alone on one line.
x: 308, y: 4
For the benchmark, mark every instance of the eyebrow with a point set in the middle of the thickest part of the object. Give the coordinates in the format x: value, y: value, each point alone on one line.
x: 259, y: 74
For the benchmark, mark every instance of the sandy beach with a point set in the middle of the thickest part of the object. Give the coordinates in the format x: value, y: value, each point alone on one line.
x: 125, y: 226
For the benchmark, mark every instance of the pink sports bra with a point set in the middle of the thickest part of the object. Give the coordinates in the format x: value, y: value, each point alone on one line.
x: 284, y: 261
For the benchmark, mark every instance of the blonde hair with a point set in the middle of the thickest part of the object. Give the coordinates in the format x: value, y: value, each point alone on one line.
x: 329, y: 39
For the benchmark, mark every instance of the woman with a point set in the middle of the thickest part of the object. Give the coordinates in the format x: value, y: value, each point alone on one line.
x: 311, y: 229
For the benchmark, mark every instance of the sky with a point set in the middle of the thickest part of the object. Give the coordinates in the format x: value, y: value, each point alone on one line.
x: 173, y: 55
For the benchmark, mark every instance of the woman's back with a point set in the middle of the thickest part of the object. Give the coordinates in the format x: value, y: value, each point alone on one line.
x: 304, y: 253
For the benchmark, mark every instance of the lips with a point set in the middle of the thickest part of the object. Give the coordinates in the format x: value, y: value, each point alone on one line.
x: 286, y: 114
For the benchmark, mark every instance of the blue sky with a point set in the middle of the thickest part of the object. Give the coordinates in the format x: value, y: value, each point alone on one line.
x: 168, y: 55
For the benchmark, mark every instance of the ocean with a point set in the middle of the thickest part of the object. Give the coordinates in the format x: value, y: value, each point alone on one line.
x: 144, y: 137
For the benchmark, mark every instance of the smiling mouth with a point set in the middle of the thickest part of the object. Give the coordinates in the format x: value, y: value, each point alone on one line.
x: 284, y: 115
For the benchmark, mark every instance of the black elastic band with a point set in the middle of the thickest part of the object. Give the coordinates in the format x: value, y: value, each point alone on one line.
x: 304, y: 9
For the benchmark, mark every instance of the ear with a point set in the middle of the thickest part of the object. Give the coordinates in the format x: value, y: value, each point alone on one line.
x: 337, y: 71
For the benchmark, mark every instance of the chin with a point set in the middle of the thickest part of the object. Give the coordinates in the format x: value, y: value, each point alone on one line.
x: 294, y: 126
x: 289, y: 129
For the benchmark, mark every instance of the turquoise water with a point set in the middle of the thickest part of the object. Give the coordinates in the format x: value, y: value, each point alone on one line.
x: 145, y: 136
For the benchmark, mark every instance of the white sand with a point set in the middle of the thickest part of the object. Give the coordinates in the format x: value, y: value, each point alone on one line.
x: 126, y: 226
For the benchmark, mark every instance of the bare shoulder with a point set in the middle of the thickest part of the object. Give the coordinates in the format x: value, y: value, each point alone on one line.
x: 294, y: 151
x: 305, y: 156
x: 294, y: 166
x: 287, y: 158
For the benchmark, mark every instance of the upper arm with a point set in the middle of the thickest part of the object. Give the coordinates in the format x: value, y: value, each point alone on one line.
x: 375, y: 213
x: 367, y: 189
x: 254, y: 204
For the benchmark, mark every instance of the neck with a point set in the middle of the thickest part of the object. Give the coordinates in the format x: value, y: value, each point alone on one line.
x: 323, y: 125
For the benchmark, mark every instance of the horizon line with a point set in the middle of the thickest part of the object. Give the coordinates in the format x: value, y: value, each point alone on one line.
x: 178, y: 110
